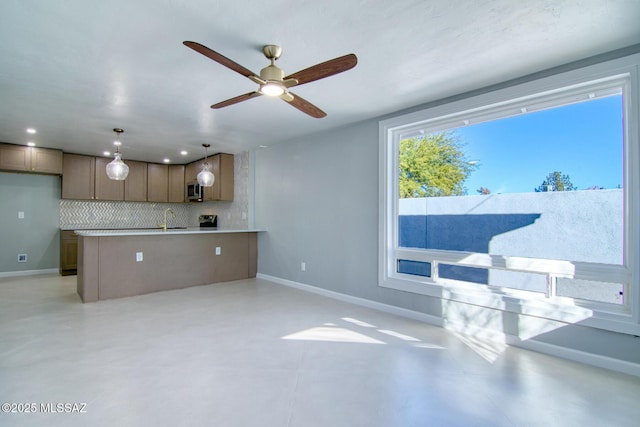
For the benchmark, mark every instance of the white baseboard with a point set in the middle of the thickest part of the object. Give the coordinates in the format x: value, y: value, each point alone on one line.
x: 403, y: 312
x: 28, y: 272
x: 530, y: 344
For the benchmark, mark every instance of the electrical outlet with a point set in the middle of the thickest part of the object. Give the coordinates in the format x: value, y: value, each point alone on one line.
x: 22, y: 257
x: 303, y: 266
x: 218, y: 250
x: 139, y: 257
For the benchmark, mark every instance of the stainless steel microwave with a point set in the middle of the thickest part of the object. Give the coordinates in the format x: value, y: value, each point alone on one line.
x: 194, y: 191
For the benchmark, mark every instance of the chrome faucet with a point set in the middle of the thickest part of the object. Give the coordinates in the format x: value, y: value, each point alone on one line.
x: 164, y: 224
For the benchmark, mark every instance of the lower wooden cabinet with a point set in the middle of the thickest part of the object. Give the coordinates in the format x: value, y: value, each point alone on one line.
x: 68, y: 252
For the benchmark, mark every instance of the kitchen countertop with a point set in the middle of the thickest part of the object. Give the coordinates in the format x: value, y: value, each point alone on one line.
x: 153, y: 231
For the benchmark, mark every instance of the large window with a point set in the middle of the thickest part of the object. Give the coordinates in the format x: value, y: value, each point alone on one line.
x: 525, y: 194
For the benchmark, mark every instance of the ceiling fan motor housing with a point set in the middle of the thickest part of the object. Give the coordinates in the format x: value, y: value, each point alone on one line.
x: 271, y: 72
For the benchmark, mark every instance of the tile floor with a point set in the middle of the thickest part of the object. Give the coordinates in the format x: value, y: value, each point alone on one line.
x: 253, y: 353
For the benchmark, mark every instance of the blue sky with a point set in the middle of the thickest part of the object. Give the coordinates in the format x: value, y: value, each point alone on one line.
x: 515, y: 155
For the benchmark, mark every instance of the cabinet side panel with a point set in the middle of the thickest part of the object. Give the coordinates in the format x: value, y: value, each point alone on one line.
x: 88, y: 266
x: 226, y: 177
x: 253, y: 254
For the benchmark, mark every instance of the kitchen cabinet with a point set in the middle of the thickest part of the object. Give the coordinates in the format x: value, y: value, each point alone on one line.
x: 68, y: 252
x: 107, y: 266
x: 45, y: 160
x: 21, y: 158
x: 78, y: 176
x: 135, y: 186
x: 158, y: 186
x: 105, y: 188
x: 176, y: 184
x: 222, y: 168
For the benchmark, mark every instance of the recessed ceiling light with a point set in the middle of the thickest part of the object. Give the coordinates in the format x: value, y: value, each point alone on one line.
x: 118, y: 143
x: 31, y: 130
x: 184, y: 152
x: 106, y: 153
x: 31, y: 144
x: 167, y: 160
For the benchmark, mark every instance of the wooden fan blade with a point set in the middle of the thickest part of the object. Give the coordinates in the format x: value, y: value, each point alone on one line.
x: 325, y: 69
x: 235, y: 100
x: 221, y: 59
x: 306, y: 107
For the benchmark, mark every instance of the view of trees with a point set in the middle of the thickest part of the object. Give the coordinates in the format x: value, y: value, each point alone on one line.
x: 556, y: 181
x: 433, y: 165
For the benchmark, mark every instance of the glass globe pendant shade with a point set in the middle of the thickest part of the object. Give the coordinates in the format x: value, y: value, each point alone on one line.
x: 117, y: 169
x: 205, y: 177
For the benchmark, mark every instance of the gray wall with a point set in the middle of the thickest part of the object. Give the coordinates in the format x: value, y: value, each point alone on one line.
x: 318, y: 200
x: 37, y: 234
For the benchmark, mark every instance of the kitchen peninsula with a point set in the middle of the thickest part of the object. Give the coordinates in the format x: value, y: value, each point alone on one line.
x: 123, y: 263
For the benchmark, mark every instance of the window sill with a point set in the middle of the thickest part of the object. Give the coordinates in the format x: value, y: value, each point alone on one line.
x: 522, y: 303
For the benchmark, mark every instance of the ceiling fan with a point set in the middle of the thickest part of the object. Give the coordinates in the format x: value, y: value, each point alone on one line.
x: 272, y: 80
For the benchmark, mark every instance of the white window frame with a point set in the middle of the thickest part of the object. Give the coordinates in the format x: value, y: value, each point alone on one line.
x: 626, y: 318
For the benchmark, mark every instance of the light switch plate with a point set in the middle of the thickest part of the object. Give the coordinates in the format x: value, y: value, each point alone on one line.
x: 139, y: 257
x: 218, y: 250
x: 20, y: 215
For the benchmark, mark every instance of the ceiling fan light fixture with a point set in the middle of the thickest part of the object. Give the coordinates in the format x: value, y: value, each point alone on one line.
x: 117, y: 170
x: 272, y: 89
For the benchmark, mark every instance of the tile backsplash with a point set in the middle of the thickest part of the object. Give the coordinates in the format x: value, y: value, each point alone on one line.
x: 83, y: 214
x: 92, y: 214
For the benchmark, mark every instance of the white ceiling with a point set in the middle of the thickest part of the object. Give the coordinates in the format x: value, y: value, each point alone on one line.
x: 75, y: 69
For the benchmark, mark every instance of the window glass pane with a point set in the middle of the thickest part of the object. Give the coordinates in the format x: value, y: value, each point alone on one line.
x: 467, y: 274
x: 416, y: 268
x: 547, y: 184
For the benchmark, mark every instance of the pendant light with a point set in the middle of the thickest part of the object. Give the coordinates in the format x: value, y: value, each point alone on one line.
x: 206, y: 177
x: 117, y: 169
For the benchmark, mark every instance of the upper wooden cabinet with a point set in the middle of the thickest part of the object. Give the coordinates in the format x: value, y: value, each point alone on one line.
x: 78, y: 176
x: 176, y: 184
x: 222, y: 167
x: 45, y: 160
x: 21, y: 158
x: 85, y: 178
x: 106, y: 189
x: 135, y: 186
x: 158, y: 186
